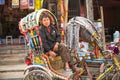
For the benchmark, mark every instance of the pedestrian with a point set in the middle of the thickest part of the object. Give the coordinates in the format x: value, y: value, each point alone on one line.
x: 1, y: 41
x: 52, y: 45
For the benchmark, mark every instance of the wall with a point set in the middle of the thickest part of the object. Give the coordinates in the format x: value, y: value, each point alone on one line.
x: 110, y: 16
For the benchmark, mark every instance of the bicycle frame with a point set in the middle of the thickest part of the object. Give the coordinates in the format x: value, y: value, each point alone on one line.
x: 103, y: 75
x: 112, y: 67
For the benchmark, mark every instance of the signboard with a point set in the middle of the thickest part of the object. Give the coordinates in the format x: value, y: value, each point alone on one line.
x: 15, y: 3
x: 2, y: 2
x: 31, y: 4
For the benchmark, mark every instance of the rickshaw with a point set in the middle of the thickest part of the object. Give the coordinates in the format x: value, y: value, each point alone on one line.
x: 40, y: 66
x: 43, y: 67
x: 80, y: 29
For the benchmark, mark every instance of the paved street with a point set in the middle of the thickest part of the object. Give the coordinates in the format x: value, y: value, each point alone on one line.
x: 12, y: 62
x: 12, y: 65
x: 10, y: 72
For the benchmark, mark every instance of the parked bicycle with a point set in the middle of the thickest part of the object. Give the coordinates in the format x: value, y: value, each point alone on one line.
x: 112, y: 66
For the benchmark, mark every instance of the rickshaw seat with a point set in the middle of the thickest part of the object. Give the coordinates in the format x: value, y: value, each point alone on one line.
x: 29, y: 27
x: 36, y: 46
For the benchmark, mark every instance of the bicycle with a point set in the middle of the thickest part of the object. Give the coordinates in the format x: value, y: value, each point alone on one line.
x: 111, y: 70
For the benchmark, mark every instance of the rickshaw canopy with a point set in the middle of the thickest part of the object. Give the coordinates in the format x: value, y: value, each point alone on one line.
x: 32, y: 20
x: 82, y: 29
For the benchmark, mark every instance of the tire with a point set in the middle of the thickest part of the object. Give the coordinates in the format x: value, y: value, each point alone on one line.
x: 37, y: 75
x: 74, y: 77
x: 116, y: 76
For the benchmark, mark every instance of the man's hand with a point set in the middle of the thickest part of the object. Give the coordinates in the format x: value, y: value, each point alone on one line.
x: 56, y: 47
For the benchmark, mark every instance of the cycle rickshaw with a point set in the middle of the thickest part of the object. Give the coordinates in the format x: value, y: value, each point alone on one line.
x: 80, y: 29
x: 40, y: 66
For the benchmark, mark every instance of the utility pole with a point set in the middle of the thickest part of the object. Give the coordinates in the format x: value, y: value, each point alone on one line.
x: 89, y: 9
x: 103, y: 30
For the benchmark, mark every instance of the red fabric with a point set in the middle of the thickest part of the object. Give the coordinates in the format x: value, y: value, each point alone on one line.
x: 48, y: 29
x: 23, y: 4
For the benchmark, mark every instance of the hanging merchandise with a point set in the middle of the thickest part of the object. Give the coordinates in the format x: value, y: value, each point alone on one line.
x: 23, y: 4
x: 38, y: 4
x: 15, y: 3
x: 2, y: 2
x: 31, y: 4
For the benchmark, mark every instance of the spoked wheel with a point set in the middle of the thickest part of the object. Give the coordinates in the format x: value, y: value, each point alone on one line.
x: 116, y: 76
x: 74, y: 77
x: 37, y: 75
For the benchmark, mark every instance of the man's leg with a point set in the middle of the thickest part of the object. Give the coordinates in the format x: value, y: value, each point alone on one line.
x: 66, y: 57
x: 63, y: 51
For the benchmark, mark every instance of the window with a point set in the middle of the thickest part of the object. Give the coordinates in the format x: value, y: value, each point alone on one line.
x: 74, y: 8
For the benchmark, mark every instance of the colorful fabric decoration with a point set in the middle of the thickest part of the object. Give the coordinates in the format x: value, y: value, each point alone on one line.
x: 15, y: 3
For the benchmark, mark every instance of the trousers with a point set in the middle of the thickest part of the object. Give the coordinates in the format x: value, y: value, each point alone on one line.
x: 64, y: 52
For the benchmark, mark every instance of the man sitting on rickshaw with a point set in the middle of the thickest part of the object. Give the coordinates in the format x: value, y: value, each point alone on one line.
x: 52, y: 45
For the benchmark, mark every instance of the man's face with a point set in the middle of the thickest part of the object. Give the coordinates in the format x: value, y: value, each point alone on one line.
x: 46, y: 21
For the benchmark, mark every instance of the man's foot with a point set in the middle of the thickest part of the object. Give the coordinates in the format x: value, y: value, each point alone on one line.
x: 67, y: 69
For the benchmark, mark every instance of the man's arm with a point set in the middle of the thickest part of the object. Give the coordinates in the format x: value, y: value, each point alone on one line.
x: 58, y: 38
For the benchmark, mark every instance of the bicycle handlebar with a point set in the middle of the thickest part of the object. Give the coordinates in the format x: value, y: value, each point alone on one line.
x: 107, y: 51
x: 113, y: 43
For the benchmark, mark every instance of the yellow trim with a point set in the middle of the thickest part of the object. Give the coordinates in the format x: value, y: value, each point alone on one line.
x: 116, y: 62
x: 31, y: 33
x: 38, y: 60
x: 103, y: 74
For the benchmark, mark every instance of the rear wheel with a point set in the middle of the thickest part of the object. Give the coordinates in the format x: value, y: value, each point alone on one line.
x: 37, y: 75
x: 116, y: 76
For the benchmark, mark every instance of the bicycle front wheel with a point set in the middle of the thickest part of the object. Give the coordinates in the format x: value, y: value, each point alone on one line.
x: 116, y: 76
x: 37, y: 75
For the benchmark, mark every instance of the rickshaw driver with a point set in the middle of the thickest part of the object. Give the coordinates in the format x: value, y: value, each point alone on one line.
x: 51, y: 43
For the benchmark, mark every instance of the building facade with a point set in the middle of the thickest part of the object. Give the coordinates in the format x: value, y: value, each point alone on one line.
x: 9, y: 17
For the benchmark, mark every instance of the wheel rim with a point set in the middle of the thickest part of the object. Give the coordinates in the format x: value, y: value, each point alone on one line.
x: 37, y: 75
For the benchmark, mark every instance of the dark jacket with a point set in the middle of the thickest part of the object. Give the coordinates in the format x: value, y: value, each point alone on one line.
x: 49, y: 39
